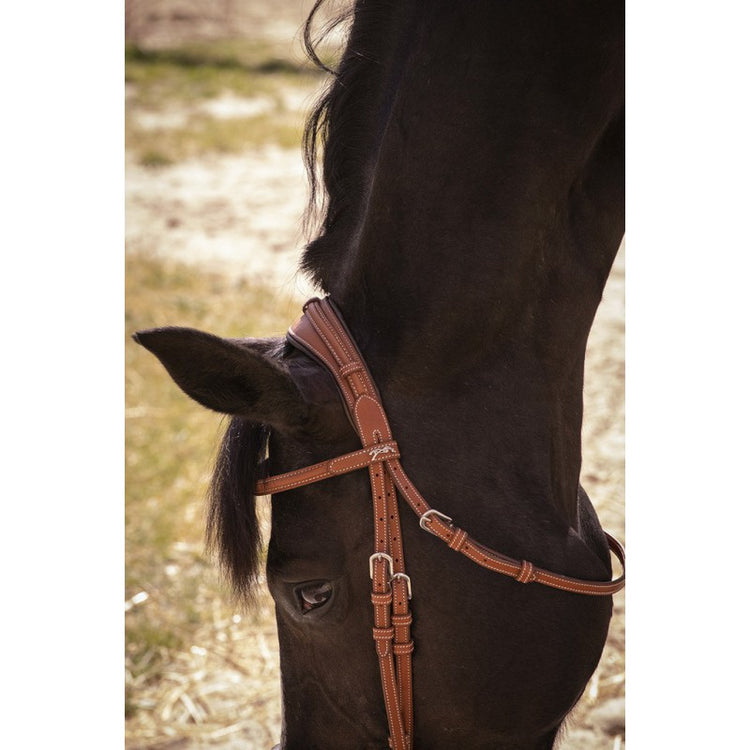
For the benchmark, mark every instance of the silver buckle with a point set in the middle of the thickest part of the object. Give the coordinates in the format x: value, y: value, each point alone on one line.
x: 433, y: 512
x: 407, y: 579
x: 383, y: 556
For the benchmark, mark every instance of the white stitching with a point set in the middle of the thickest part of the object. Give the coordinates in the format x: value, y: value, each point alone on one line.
x: 396, y: 714
x: 322, y: 466
x: 407, y: 488
x: 338, y: 332
x: 380, y: 409
x: 322, y: 335
x: 458, y: 539
x: 361, y: 458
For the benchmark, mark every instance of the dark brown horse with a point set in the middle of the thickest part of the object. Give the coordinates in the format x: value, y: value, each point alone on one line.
x: 473, y: 166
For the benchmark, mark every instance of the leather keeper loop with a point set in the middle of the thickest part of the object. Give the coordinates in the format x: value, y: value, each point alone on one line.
x: 383, y: 640
x: 526, y: 573
x: 459, y: 537
x: 401, y: 620
x: 381, y: 599
x: 400, y: 649
x: 351, y: 368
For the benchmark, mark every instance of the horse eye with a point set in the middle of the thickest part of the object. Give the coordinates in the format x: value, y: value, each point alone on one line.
x: 313, y: 594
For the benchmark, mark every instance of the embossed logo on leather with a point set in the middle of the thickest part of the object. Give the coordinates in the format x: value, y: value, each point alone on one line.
x: 379, y: 450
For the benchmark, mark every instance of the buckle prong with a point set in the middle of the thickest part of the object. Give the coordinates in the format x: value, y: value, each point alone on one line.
x: 432, y: 512
x: 406, y: 578
x: 381, y: 556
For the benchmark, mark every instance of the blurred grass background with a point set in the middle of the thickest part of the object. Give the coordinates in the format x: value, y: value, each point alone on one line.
x: 170, y: 92
x: 198, y: 671
x: 186, y: 645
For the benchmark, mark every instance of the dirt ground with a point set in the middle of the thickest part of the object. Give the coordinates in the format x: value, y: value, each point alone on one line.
x: 234, y: 214
x: 241, y: 215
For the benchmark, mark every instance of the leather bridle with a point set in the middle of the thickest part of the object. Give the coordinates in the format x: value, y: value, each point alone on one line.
x: 322, y: 333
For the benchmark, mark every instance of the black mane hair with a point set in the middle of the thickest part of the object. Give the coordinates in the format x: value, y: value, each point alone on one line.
x: 347, y: 123
x: 317, y: 125
x: 232, y: 529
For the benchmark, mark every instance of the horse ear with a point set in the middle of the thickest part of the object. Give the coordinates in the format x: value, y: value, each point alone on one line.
x: 231, y: 376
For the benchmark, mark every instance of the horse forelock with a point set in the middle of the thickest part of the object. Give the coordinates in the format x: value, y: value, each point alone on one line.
x: 233, y: 531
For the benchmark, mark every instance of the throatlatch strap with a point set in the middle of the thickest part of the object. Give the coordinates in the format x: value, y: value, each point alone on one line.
x: 322, y: 333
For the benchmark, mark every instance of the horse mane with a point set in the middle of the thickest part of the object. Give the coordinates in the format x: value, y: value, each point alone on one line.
x: 232, y: 529
x: 316, y: 131
x: 347, y: 123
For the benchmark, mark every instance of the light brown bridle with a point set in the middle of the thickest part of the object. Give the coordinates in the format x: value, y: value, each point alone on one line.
x: 322, y: 333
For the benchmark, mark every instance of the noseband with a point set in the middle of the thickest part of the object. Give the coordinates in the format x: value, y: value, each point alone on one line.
x: 322, y: 333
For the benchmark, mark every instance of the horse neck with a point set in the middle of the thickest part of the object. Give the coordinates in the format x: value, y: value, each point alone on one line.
x: 473, y: 215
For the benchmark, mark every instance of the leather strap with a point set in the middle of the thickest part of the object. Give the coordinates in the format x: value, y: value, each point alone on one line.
x: 325, y: 469
x: 437, y: 524
x: 322, y: 333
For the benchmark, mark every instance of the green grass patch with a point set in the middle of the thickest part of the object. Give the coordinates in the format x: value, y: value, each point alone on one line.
x: 203, y: 136
x: 150, y: 157
x: 167, y: 92
x: 226, y: 54
x: 201, y: 71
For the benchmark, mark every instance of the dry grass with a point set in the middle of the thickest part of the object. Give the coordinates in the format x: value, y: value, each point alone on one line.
x: 197, y: 669
x: 195, y: 666
x: 168, y: 91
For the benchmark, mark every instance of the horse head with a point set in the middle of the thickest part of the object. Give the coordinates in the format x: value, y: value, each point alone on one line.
x: 283, y: 402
